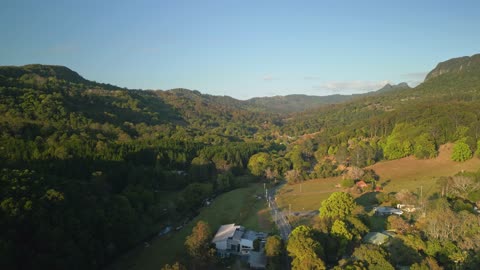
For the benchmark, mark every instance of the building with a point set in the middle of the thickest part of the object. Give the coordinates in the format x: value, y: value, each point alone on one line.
x: 407, y: 207
x: 227, y: 239
x: 386, y: 211
x: 235, y: 239
x: 361, y: 184
x: 376, y: 238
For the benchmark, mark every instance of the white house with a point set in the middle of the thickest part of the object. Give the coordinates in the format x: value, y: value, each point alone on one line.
x: 234, y: 239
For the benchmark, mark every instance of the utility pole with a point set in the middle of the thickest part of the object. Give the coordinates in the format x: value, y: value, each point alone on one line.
x: 421, y: 201
x: 290, y: 209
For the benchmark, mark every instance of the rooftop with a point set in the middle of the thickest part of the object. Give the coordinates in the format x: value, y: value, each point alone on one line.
x: 388, y: 210
x: 376, y: 238
x: 252, y: 235
x: 227, y: 231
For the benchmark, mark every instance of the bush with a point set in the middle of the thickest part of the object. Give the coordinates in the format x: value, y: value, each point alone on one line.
x: 461, y: 151
x: 424, y: 147
x: 459, y: 205
x: 347, y: 183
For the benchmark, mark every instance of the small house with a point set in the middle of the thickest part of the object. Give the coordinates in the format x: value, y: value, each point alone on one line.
x: 361, y: 184
x: 376, y: 238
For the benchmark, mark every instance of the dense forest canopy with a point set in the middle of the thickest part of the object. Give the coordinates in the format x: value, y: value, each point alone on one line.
x: 85, y: 166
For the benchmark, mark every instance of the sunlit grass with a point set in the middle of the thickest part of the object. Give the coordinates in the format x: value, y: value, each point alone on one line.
x: 418, y: 176
x: 239, y: 206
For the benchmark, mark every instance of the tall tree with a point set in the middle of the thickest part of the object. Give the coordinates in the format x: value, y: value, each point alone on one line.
x: 198, y: 245
x: 372, y: 257
x: 175, y: 266
x: 305, y: 249
x: 461, y: 151
x: 258, y: 163
x: 273, y: 250
x: 338, y: 205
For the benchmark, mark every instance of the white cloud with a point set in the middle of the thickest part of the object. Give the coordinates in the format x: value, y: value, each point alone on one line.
x: 351, y: 86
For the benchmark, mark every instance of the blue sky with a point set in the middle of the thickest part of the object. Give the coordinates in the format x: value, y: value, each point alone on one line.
x: 241, y: 48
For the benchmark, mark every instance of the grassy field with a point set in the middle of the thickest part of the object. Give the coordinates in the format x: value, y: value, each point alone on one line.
x: 395, y: 175
x: 238, y: 206
x: 308, y: 195
x: 410, y: 173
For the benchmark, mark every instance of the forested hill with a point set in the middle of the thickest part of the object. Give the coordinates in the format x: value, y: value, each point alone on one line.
x: 39, y: 75
x: 86, y: 167
x: 445, y: 108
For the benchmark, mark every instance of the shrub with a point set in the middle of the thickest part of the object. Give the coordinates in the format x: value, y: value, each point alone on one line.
x: 347, y: 183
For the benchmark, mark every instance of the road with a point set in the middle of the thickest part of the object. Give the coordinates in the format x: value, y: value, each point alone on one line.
x: 282, y: 224
x: 278, y: 216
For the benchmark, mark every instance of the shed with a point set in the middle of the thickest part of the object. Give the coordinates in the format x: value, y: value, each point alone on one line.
x: 376, y: 238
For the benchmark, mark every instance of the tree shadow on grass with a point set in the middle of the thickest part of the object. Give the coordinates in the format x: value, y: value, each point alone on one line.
x: 404, y: 254
x: 377, y: 223
x: 367, y: 200
x: 384, y: 184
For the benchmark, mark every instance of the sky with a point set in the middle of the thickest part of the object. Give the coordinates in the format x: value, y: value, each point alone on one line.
x: 242, y: 48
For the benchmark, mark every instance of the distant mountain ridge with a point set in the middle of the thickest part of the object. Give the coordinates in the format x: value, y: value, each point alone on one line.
x: 295, y: 103
x: 299, y: 103
x: 389, y: 87
x: 40, y: 74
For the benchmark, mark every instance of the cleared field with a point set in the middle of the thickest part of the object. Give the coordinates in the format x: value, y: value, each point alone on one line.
x: 238, y: 206
x: 406, y: 173
x: 307, y: 195
x: 410, y: 173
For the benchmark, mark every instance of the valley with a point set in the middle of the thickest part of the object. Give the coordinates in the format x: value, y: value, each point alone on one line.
x: 92, y: 173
